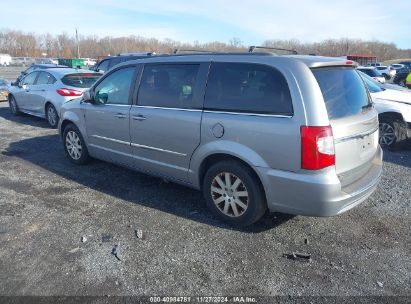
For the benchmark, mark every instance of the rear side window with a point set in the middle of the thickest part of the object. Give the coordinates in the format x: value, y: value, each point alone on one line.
x: 80, y: 80
x: 168, y: 85
x: 250, y: 88
x: 45, y: 78
x: 343, y: 90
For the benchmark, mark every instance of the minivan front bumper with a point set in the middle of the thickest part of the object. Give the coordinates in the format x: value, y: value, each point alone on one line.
x: 317, y: 194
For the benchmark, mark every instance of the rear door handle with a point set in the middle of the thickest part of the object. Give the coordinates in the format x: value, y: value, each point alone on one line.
x: 120, y: 115
x: 139, y: 117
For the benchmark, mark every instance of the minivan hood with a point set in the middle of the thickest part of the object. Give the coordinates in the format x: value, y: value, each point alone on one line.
x: 392, y: 95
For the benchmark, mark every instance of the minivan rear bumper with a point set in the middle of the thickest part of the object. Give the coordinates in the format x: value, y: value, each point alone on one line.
x: 320, y: 193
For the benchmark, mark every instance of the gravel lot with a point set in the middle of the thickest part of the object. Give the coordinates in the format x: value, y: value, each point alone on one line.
x: 47, y: 205
x: 10, y: 73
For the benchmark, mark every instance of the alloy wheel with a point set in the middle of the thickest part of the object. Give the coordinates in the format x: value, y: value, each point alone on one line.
x: 51, y: 115
x: 387, y: 134
x: 229, y: 194
x: 73, y: 145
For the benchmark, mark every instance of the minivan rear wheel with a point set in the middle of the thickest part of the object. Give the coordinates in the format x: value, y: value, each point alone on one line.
x: 74, y: 145
x: 233, y: 192
x: 393, y: 133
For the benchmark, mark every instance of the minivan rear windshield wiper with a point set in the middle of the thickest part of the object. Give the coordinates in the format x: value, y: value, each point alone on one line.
x: 369, y: 105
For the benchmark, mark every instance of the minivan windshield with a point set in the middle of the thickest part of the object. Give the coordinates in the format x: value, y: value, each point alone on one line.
x: 343, y: 90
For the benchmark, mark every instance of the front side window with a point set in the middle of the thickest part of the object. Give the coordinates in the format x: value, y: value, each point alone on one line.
x: 168, y: 85
x: 249, y: 88
x: 115, y: 88
x: 30, y: 78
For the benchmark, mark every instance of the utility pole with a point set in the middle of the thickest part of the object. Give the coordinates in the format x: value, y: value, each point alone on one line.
x: 78, y: 45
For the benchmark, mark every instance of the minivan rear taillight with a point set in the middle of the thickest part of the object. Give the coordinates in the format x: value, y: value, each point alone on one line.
x: 69, y: 92
x: 317, y: 147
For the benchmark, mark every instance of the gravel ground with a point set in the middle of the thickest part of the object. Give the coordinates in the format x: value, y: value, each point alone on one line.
x: 47, y: 206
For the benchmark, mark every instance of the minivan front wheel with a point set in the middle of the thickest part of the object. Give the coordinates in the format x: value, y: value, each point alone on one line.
x: 74, y: 146
x: 233, y: 192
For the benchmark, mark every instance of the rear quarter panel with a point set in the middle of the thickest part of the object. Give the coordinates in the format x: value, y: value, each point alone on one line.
x: 264, y: 140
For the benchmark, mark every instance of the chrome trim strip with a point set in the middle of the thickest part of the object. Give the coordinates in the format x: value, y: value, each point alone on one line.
x: 210, y: 111
x: 355, y: 136
x: 163, y: 108
x: 157, y: 149
x: 249, y: 114
x: 112, y: 140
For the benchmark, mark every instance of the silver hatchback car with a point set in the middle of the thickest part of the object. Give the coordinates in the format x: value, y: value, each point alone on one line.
x: 42, y: 92
x: 253, y: 131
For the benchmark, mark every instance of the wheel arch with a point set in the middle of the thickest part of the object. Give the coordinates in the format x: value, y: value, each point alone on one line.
x: 390, y: 115
x: 214, y: 158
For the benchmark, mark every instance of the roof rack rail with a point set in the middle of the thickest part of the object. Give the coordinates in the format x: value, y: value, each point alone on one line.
x: 253, y: 47
x: 176, y: 51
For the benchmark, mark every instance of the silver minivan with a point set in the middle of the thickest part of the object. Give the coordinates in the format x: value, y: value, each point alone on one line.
x: 294, y: 134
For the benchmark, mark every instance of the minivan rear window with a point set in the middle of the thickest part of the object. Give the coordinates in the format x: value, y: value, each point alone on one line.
x: 83, y: 80
x: 343, y: 90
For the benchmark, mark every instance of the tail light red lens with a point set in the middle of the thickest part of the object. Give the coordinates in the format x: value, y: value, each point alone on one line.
x: 317, y: 147
x: 69, y: 92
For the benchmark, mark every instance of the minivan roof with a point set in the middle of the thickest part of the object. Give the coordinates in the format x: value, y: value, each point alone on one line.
x: 309, y: 60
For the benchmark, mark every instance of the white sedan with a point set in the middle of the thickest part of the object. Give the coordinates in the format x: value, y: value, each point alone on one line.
x: 394, y: 108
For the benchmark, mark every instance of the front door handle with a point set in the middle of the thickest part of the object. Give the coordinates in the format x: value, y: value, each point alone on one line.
x: 139, y: 117
x: 120, y: 115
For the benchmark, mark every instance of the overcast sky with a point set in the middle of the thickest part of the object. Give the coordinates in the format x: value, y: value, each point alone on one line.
x: 252, y: 21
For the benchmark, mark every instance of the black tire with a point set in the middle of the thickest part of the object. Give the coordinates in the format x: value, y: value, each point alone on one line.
x: 255, y: 201
x: 84, y: 157
x: 13, y: 105
x: 52, y: 116
x: 399, y: 129
x: 401, y: 82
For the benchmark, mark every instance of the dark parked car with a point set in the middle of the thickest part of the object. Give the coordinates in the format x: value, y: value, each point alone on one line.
x: 36, y: 67
x: 407, y: 64
x: 400, y: 76
x: 107, y: 63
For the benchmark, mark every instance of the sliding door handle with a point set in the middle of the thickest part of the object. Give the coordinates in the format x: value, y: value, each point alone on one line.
x: 139, y: 117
